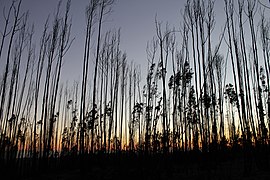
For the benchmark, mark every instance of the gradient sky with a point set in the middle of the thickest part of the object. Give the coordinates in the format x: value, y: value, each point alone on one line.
x: 134, y: 17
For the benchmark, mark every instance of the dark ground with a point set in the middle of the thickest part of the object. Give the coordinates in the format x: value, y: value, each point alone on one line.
x: 189, y: 165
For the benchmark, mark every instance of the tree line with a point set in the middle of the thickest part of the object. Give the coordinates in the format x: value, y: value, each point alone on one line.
x: 183, y: 101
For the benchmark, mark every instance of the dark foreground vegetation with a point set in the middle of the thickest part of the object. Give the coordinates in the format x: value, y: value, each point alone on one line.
x: 226, y: 164
x: 199, y: 110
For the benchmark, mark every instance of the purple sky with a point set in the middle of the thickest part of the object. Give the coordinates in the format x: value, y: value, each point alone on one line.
x: 134, y: 17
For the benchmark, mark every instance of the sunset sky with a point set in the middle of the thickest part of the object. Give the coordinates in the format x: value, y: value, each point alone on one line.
x: 136, y: 18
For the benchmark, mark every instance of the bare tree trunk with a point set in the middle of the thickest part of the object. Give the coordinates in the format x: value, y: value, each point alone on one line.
x: 13, y: 31
x: 90, y: 14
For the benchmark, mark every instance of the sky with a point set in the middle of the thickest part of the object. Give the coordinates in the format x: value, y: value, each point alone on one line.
x: 136, y: 19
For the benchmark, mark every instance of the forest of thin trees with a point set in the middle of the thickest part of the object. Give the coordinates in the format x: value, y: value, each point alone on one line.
x: 204, y: 88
